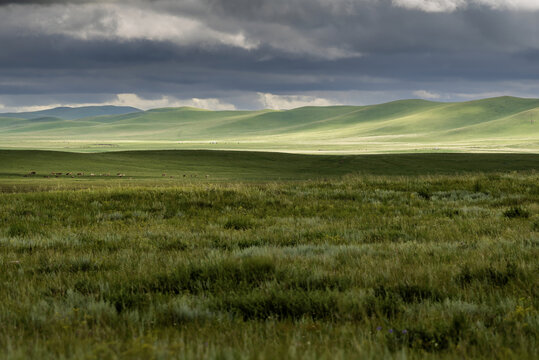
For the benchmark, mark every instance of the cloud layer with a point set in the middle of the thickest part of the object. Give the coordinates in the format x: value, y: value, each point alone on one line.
x: 265, y: 53
x: 452, y: 5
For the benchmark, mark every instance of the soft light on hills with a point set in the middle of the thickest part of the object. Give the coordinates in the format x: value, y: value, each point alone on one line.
x: 72, y: 113
x: 497, y: 124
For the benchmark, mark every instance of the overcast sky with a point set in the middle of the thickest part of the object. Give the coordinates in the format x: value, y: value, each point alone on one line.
x: 250, y: 54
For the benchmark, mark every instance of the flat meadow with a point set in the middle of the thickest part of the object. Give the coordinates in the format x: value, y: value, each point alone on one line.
x: 332, y: 258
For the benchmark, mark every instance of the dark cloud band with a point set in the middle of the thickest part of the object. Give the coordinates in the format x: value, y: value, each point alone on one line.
x: 297, y: 46
x: 45, y: 2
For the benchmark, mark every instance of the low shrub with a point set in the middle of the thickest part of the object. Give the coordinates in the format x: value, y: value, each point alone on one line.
x: 489, y: 275
x: 516, y: 212
x: 280, y: 305
x: 238, y: 223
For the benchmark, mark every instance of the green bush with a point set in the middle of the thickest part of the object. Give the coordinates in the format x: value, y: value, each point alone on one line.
x: 239, y: 223
x: 516, y: 212
x: 489, y: 275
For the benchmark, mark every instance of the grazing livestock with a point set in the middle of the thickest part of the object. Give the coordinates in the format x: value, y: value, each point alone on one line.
x: 92, y: 174
x: 163, y: 175
x: 32, y: 172
x: 80, y: 174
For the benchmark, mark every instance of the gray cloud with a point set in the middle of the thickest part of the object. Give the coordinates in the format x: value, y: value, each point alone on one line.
x: 453, y: 5
x: 341, y: 50
x: 49, y: 2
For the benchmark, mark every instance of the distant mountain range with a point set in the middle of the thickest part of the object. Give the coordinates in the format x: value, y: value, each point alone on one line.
x: 72, y: 113
x: 400, y: 125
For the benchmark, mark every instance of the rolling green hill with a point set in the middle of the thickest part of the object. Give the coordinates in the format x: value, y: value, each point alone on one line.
x: 69, y: 113
x: 498, y: 124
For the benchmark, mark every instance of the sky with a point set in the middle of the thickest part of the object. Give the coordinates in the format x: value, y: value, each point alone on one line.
x: 253, y: 54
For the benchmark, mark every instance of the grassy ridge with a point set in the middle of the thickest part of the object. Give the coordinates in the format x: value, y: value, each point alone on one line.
x: 351, y: 267
x: 69, y: 113
x: 498, y: 123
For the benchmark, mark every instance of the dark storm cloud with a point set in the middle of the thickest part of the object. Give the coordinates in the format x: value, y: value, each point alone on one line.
x: 376, y: 26
x: 48, y: 2
x: 211, y: 48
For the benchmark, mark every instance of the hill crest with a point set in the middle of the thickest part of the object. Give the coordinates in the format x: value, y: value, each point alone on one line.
x: 494, y: 124
x: 73, y: 113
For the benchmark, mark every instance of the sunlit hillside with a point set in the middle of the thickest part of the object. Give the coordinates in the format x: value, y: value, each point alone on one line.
x: 496, y: 124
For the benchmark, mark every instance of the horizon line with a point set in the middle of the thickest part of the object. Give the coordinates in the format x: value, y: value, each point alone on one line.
x: 82, y: 106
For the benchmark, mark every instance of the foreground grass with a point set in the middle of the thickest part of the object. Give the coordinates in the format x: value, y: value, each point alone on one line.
x: 438, y: 266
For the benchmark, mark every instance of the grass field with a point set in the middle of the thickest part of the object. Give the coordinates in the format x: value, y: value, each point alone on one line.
x: 227, y: 166
x: 271, y: 256
x: 503, y: 124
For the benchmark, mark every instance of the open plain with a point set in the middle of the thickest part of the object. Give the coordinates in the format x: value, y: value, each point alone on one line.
x: 250, y: 255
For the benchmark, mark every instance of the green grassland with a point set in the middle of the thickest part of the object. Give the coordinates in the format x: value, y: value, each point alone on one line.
x: 503, y: 124
x: 273, y: 256
x: 223, y: 166
x: 195, y: 254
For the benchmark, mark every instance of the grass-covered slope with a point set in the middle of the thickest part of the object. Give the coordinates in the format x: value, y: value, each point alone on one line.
x: 503, y: 123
